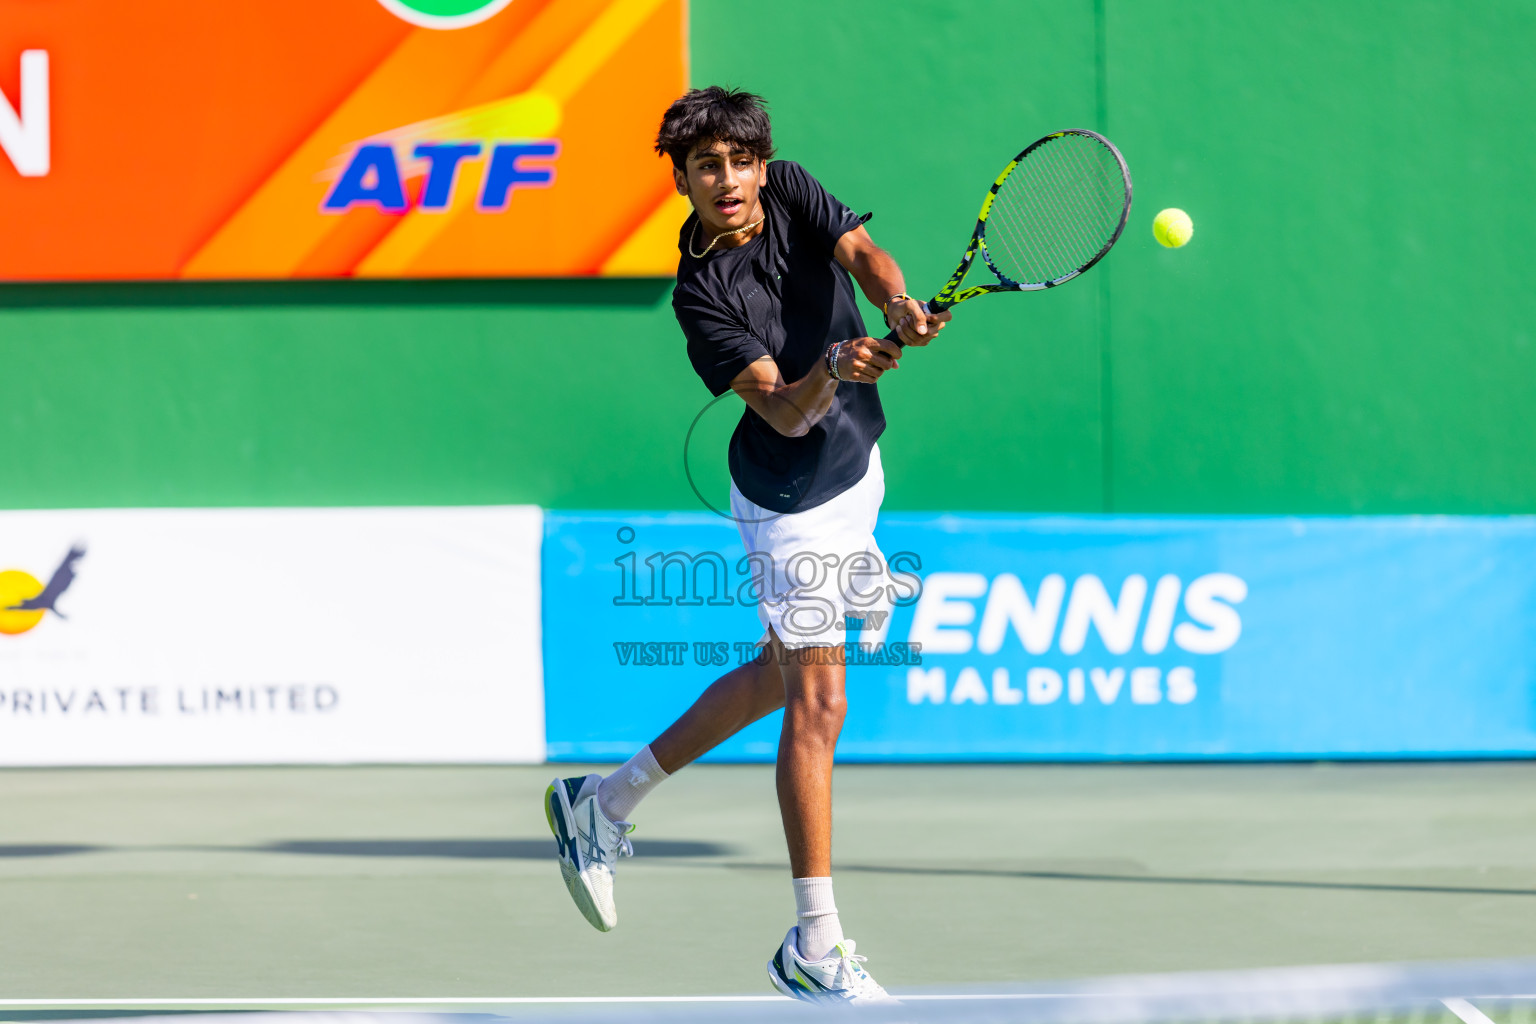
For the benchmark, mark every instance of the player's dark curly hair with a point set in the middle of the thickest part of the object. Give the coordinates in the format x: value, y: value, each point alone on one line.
x: 715, y: 115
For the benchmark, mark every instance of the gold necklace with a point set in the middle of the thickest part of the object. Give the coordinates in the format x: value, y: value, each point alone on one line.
x: 711, y: 245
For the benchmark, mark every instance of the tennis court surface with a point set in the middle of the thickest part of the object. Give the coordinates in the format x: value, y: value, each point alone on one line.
x: 129, y: 890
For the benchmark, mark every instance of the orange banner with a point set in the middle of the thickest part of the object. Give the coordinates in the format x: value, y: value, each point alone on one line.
x: 337, y: 138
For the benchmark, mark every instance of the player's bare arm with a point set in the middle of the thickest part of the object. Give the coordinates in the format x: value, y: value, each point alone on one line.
x: 881, y: 281
x: 792, y: 409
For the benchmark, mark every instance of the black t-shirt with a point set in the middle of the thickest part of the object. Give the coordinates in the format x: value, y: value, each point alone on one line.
x: 784, y: 295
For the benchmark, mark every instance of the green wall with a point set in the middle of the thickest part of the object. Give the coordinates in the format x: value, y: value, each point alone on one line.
x: 1350, y: 330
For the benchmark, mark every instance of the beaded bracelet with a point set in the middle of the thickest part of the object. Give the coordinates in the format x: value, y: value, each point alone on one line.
x: 833, y: 351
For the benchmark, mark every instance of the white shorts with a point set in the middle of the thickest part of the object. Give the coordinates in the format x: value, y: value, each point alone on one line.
x: 817, y: 569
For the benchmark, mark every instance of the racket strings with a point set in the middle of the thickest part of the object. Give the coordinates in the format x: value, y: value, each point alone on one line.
x: 1099, y: 208
x: 1083, y: 205
x: 1048, y: 222
x: 1062, y: 180
x: 1054, y: 207
x: 1091, y: 179
x: 1056, y: 211
x: 1014, y: 231
x: 1016, y: 209
x: 1008, y: 232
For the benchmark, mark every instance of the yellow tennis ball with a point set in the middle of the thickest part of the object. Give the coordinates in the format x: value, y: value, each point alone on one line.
x: 1172, y: 228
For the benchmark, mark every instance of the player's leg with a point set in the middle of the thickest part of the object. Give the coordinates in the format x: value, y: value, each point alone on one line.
x: 814, y: 706
x: 815, y: 961
x: 729, y: 705
x: 589, y: 815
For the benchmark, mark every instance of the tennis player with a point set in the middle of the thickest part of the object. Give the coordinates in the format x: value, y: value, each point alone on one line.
x: 765, y: 300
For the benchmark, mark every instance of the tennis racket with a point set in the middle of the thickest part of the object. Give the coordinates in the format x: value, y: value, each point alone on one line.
x: 1054, y: 212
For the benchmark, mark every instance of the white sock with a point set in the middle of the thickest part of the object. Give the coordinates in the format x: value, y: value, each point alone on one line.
x: 620, y: 793
x: 816, y: 914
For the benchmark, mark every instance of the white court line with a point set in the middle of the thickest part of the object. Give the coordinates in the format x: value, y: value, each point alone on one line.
x: 377, y: 1001
x: 492, y: 1000
x: 1468, y: 1013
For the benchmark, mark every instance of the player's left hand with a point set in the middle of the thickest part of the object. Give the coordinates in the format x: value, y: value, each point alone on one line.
x: 912, y: 325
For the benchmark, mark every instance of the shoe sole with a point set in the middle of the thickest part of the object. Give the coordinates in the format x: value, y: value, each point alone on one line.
x: 778, y: 985
x: 782, y: 984
x: 557, y: 813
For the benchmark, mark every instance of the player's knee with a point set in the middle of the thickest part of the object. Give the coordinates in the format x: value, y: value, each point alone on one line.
x: 819, y: 711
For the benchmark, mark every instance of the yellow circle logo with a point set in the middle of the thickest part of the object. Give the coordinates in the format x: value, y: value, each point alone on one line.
x: 15, y: 587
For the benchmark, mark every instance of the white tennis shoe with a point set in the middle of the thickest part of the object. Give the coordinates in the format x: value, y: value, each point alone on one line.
x: 839, y: 977
x: 589, y: 845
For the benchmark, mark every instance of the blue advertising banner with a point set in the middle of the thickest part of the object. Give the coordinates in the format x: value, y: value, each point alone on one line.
x: 1073, y: 638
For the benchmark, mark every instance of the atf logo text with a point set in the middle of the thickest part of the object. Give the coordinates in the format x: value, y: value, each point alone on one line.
x: 375, y: 176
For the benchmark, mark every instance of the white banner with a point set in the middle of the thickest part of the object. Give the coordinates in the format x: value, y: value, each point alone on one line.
x: 261, y: 636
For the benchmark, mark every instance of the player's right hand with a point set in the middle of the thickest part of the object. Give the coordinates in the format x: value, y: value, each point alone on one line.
x: 864, y: 359
x: 914, y: 325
